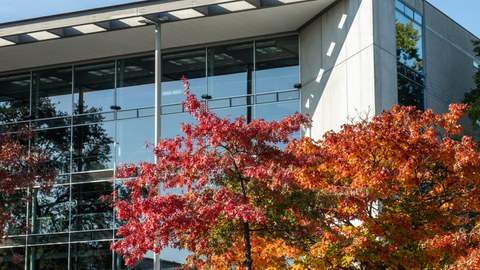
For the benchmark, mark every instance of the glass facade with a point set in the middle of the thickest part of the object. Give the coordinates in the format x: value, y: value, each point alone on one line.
x: 410, y: 57
x: 92, y: 117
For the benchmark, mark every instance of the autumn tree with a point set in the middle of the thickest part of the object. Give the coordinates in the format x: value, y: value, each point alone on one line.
x: 21, y: 169
x: 407, y: 193
x: 228, y: 195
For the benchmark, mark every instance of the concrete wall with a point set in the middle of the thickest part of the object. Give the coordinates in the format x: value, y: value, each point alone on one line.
x: 340, y: 80
x: 449, y: 60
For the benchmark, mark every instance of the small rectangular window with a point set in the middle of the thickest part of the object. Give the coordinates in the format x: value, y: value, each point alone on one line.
x: 409, y: 12
x: 400, y: 6
x: 418, y: 18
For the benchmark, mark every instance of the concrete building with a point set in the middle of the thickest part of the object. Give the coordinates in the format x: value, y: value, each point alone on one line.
x: 86, y: 82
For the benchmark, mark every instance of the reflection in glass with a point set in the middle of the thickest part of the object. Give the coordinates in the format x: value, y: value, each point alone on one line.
x: 49, y: 210
x: 88, y: 211
x: 232, y: 113
x: 16, y: 204
x: 409, y: 43
x: 52, y: 93
x: 409, y: 92
x: 276, y: 64
x: 48, y: 257
x: 91, y: 255
x: 7, y: 258
x: 56, y: 144
x: 14, y: 97
x: 172, y: 258
x: 276, y: 111
x: 230, y: 69
x: 135, y: 82
x: 410, y: 79
x: 190, y: 64
x: 93, y: 146
x: 94, y: 87
x: 171, y: 124
x: 133, y: 137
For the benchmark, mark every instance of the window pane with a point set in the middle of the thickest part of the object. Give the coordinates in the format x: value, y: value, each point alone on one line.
x: 94, y: 87
x: 410, y: 93
x: 7, y: 261
x: 48, y: 257
x: 230, y: 69
x: 14, y: 97
x: 52, y: 93
x: 409, y: 43
x: 276, y: 111
x: 56, y: 144
x: 133, y: 135
x: 16, y: 204
x: 88, y: 211
x: 93, y: 146
x: 190, y: 64
x: 170, y: 124
x: 276, y: 66
x: 49, y: 211
x: 135, y: 82
x: 91, y: 255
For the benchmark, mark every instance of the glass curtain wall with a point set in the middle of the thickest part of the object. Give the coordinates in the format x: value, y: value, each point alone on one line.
x: 92, y: 117
x: 410, y: 57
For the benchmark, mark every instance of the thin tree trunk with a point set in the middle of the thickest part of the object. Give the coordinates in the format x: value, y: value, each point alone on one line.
x: 248, y: 248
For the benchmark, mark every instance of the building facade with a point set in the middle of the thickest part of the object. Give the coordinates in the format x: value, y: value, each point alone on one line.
x: 85, y: 82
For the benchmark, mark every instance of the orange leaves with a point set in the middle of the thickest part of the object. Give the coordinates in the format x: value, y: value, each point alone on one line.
x: 399, y: 180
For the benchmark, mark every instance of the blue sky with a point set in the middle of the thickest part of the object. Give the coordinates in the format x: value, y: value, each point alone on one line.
x: 464, y: 12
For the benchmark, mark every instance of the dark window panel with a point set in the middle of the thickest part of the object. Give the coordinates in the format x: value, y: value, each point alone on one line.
x: 56, y: 144
x: 277, y: 64
x: 410, y: 93
x: 135, y: 82
x: 7, y: 260
x: 94, y: 87
x: 91, y: 255
x: 52, y: 93
x: 190, y: 64
x: 93, y: 146
x: 17, y: 206
x: 230, y: 70
x: 49, y: 211
x: 14, y: 97
x: 48, y: 257
x: 89, y: 212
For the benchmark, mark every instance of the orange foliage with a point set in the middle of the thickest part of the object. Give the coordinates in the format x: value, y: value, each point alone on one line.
x: 403, y: 184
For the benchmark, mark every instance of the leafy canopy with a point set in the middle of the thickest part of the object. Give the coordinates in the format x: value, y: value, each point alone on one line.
x: 229, y: 195
x: 407, y: 194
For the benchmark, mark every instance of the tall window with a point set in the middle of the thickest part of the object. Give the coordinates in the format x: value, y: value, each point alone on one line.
x: 409, y: 40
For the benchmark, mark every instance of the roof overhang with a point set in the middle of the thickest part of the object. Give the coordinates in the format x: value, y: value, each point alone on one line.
x: 125, y: 29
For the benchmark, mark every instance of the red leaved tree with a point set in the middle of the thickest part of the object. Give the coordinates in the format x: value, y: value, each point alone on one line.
x: 406, y: 188
x: 21, y: 169
x: 236, y: 199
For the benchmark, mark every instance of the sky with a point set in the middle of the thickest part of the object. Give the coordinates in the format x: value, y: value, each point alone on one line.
x: 465, y: 12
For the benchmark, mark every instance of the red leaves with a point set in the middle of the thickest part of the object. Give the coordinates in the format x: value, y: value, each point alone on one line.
x: 221, y: 174
x: 20, y: 169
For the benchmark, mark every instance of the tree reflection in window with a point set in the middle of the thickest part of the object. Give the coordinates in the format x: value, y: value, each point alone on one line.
x: 410, y: 82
